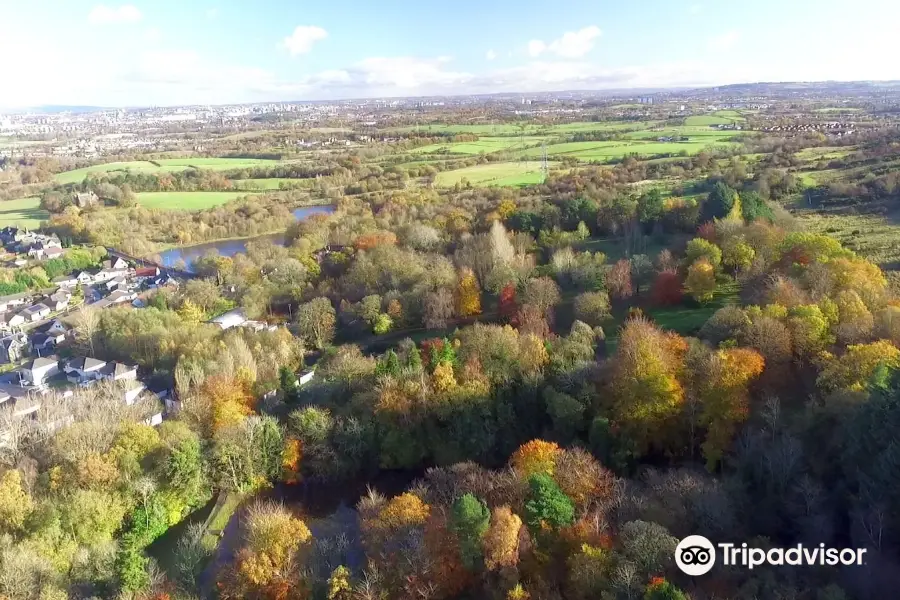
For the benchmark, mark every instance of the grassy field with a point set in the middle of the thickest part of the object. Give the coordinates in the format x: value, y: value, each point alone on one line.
x: 706, y: 120
x: 694, y: 133
x: 78, y: 175
x: 603, y: 151
x: 495, y: 174
x: 273, y: 183
x: 479, y: 129
x: 217, y: 164
x: 185, y: 200
x: 730, y: 114
x: 874, y: 237
x: 484, y: 145
x: 689, y: 318
x: 25, y: 212
x: 825, y: 153
x: 837, y: 109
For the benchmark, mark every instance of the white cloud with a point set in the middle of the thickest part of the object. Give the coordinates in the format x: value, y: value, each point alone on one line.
x: 303, y: 38
x: 724, y: 41
x: 212, y: 13
x: 405, y: 72
x: 152, y: 35
x: 572, y: 44
x: 536, y: 48
x: 490, y: 55
x: 102, y: 14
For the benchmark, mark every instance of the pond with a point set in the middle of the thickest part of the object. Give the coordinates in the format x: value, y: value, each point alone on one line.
x: 189, y: 254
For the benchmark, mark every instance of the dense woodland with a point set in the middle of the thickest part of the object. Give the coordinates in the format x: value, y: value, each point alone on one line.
x: 555, y: 427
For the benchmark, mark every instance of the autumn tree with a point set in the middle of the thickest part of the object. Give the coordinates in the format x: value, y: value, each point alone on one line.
x: 15, y: 503
x: 700, y: 282
x: 699, y: 248
x: 666, y: 290
x: 541, y: 293
x: 536, y: 456
x: 468, y: 294
x: 618, y: 280
x: 725, y: 397
x: 507, y: 305
x: 852, y: 370
x: 646, y: 390
x: 501, y: 541
x: 316, y: 321
x: 438, y: 308
x: 592, y: 307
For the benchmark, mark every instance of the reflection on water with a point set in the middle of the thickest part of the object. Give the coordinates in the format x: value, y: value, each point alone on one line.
x: 231, y: 247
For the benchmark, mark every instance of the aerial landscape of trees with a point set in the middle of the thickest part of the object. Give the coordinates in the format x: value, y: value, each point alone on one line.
x: 511, y: 392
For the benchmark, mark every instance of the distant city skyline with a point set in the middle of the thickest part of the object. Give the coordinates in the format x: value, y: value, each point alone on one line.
x: 165, y: 53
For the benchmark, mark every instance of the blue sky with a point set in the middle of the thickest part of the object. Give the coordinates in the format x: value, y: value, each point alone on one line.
x: 207, y: 51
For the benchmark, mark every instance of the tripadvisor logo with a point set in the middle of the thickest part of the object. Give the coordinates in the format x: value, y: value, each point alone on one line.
x: 696, y: 555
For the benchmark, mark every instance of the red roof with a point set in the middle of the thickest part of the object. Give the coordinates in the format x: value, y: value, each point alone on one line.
x: 146, y: 272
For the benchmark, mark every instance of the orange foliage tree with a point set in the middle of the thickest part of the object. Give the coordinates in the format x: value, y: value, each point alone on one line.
x: 725, y: 398
x: 373, y: 240
x: 536, y: 456
x: 230, y: 397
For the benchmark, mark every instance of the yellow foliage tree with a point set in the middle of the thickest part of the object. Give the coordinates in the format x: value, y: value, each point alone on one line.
x: 501, y: 542
x: 536, y: 456
x: 647, y: 394
x: 403, y: 511
x: 700, y: 282
x: 725, y: 398
x: 854, y: 368
x: 190, y: 312
x: 230, y: 399
x: 443, y: 377
x: 468, y: 294
x: 15, y: 502
x: 273, y: 537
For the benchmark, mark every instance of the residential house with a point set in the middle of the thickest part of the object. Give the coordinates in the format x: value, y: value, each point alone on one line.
x: 36, y: 312
x: 14, y: 348
x: 36, y: 372
x: 23, y: 402
x: 55, y: 328
x: 16, y: 320
x: 119, y: 296
x: 13, y: 300
x: 85, y: 278
x: 119, y: 264
x: 116, y: 371
x: 119, y: 283
x: 60, y: 300
x: 105, y: 275
x: 147, y: 272
x: 233, y: 318
x: 84, y: 370
x: 65, y: 281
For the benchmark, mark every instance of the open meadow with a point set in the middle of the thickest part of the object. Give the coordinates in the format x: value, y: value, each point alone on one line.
x: 25, y: 212
x: 162, y: 165
x: 494, y: 174
x: 187, y: 201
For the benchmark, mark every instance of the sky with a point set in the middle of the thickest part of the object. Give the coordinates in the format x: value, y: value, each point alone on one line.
x: 177, y: 52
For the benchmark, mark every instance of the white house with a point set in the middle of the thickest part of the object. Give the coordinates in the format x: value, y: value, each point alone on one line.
x: 14, y: 347
x: 36, y: 372
x: 117, y: 371
x: 56, y: 327
x: 60, y: 300
x: 85, y: 278
x: 7, y: 302
x: 36, y: 312
x: 65, y: 281
x: 16, y: 320
x: 108, y: 274
x: 119, y: 264
x: 117, y: 283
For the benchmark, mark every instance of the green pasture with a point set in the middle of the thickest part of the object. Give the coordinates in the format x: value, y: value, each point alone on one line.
x: 602, y: 151
x: 187, y: 201
x: 78, y: 175
x: 485, y: 145
x: 24, y: 212
x: 707, y: 120
x: 690, y: 132
x: 494, y: 174
x: 874, y: 237
x: 825, y: 152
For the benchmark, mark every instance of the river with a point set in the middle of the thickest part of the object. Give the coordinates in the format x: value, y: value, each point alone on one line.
x: 189, y: 254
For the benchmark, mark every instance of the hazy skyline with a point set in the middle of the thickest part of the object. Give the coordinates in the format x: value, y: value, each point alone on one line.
x: 165, y: 53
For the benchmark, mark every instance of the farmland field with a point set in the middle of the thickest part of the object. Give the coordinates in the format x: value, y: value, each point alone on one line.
x: 166, y: 164
x: 185, y: 200
x: 617, y: 149
x: 701, y: 120
x: 825, y: 152
x: 25, y: 212
x: 484, y: 145
x: 508, y: 173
